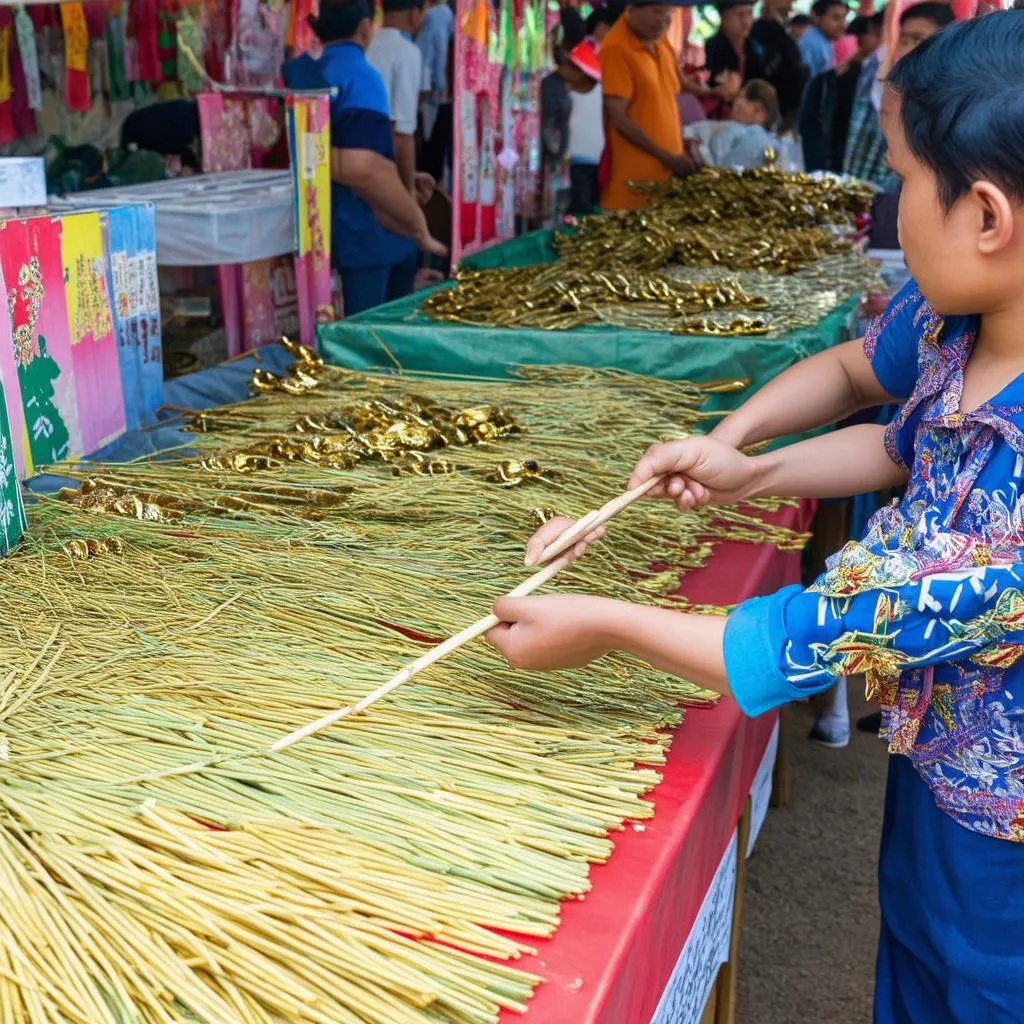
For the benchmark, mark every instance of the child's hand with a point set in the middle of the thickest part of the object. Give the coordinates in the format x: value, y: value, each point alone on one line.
x: 554, y: 631
x: 550, y: 532
x: 698, y: 471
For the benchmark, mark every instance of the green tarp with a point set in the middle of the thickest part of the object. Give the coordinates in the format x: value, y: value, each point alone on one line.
x: 397, y: 334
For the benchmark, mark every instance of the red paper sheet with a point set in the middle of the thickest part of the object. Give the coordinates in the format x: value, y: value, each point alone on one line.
x: 611, y: 958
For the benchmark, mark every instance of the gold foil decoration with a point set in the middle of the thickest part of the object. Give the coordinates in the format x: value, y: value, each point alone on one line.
x: 625, y: 269
x: 93, y: 548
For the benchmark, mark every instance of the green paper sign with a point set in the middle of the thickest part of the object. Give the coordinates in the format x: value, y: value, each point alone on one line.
x: 12, y: 511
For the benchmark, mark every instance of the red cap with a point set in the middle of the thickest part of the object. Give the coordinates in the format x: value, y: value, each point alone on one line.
x: 584, y: 56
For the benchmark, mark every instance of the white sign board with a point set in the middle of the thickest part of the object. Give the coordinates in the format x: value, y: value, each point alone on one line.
x: 22, y: 181
x: 761, y: 790
x: 705, y: 950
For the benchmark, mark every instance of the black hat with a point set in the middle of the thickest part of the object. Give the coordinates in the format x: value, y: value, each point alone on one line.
x: 728, y: 5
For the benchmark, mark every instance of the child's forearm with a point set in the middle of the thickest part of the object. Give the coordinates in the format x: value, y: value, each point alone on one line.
x: 836, y: 465
x: 689, y: 646
x: 824, y: 389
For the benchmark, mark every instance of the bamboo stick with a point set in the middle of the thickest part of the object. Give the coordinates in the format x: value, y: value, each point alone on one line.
x: 584, y: 525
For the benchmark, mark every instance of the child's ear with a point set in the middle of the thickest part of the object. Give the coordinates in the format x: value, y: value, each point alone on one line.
x: 998, y: 222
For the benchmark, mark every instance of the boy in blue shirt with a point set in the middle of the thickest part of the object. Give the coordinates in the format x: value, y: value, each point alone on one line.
x: 929, y: 605
x: 376, y: 225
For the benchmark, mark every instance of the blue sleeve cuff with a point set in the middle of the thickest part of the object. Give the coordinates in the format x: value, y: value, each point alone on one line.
x: 754, y: 642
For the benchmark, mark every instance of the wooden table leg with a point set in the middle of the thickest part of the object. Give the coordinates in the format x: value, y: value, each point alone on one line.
x: 725, y: 1010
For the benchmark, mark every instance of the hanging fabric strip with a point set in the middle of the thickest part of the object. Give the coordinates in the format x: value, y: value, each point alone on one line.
x: 7, y: 132
x: 77, y: 94
x: 25, y: 33
x: 143, y: 29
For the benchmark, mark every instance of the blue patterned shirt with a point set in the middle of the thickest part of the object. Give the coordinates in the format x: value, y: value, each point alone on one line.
x: 929, y: 606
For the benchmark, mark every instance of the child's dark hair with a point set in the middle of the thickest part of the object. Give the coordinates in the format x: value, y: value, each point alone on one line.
x: 822, y: 7
x: 605, y: 14
x: 862, y: 26
x: 962, y: 104
x: 339, y: 19
x: 939, y: 14
x: 799, y: 21
x: 763, y: 93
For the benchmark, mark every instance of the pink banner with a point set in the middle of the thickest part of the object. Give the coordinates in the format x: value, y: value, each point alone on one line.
x: 12, y: 392
x: 30, y: 254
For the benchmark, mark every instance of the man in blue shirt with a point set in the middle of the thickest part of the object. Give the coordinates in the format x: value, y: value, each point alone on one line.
x: 376, y: 224
x: 816, y: 45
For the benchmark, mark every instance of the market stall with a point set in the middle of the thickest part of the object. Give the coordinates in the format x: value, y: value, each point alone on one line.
x: 648, y: 940
x: 722, y: 278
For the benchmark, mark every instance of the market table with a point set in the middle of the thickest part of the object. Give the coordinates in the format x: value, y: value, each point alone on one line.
x: 231, y: 221
x: 615, y: 955
x: 631, y: 944
x: 398, y: 333
x: 208, y: 219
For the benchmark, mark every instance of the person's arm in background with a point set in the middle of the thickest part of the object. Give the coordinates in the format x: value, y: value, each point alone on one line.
x: 617, y: 87
x: 374, y: 178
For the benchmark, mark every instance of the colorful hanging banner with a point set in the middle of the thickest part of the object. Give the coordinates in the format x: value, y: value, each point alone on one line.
x: 94, y: 355
x: 310, y: 146
x: 499, y: 62
x: 12, y: 512
x: 77, y: 90
x: 132, y: 275
x: 33, y: 272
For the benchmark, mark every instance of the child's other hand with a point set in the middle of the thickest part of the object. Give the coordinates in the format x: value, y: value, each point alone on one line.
x: 551, y: 531
x: 698, y: 471
x: 550, y: 632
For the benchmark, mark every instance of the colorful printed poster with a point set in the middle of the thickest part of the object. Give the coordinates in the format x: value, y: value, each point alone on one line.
x: 34, y: 277
x: 12, y: 392
x: 310, y: 146
x: 91, y: 324
x: 132, y: 277
x: 12, y: 512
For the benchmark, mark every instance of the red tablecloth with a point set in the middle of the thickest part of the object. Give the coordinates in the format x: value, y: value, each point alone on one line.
x: 611, y: 958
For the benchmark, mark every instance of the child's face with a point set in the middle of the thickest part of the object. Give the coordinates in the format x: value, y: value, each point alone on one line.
x: 961, y: 258
x: 747, y: 111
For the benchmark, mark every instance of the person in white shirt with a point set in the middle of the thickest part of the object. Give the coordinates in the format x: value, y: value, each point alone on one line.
x: 581, y: 73
x: 396, y: 56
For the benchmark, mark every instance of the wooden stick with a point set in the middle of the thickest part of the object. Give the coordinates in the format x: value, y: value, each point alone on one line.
x: 592, y: 520
x: 583, y: 526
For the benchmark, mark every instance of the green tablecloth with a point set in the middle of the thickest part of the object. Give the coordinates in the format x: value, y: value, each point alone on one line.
x: 397, y: 334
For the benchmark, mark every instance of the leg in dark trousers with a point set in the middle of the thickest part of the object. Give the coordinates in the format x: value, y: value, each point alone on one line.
x: 402, y: 277
x: 363, y: 288
x: 583, y: 189
x: 437, y: 150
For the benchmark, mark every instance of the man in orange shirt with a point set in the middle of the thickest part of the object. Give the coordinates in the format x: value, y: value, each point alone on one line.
x: 641, y: 90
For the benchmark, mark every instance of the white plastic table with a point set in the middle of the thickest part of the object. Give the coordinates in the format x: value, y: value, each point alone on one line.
x: 209, y: 219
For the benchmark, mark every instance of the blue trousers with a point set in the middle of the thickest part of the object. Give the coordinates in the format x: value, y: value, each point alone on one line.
x: 951, y: 949
x: 365, y: 287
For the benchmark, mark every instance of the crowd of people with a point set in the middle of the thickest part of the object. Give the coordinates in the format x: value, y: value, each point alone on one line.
x: 615, y: 115
x: 927, y: 605
x: 390, y: 136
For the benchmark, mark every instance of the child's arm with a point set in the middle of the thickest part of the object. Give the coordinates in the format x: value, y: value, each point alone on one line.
x: 879, y: 369
x: 876, y: 618
x: 826, y: 388
x: 705, y: 470
x: 569, y: 631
